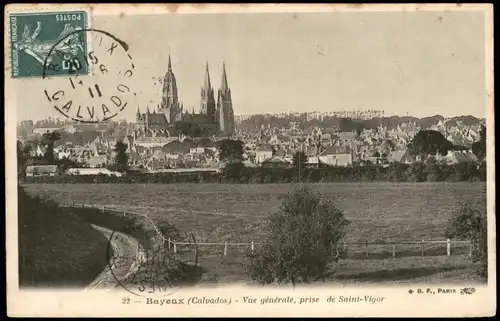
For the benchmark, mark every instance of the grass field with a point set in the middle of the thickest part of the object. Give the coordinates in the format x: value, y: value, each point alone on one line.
x: 237, y: 213
x: 55, y: 249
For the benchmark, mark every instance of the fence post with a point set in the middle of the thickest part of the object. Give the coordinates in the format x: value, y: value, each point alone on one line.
x: 366, y: 248
x: 470, y: 249
x: 175, y: 247
x: 448, y: 247
x: 225, y: 248
x: 169, y: 243
x: 393, y: 251
x: 124, y: 213
x: 422, y: 245
x: 252, y: 247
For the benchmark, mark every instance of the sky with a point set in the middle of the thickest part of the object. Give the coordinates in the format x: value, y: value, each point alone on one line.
x: 405, y: 63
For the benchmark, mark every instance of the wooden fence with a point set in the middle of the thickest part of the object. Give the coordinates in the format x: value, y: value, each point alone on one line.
x: 173, y: 244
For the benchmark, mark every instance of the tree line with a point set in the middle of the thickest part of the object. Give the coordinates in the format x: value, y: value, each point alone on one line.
x: 239, y: 174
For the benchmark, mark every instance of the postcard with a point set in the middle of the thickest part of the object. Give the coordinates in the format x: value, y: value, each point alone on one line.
x: 265, y: 160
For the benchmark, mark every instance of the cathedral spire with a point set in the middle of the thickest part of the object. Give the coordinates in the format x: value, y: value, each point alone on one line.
x: 224, y: 85
x: 169, y: 63
x: 207, y: 84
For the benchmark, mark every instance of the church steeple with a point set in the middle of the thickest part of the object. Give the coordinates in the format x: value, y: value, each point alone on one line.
x: 207, y: 84
x: 223, y: 86
x: 138, y: 114
x: 170, y: 106
x: 224, y: 113
x: 207, y: 102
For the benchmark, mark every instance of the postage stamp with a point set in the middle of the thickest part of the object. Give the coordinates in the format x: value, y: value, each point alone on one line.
x: 36, y: 39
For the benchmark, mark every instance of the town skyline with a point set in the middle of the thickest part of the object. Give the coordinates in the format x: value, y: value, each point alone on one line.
x: 335, y: 62
x: 238, y: 116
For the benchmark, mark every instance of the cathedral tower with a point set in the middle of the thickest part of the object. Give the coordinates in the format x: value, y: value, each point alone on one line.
x: 224, y: 113
x: 207, y: 104
x: 170, y: 101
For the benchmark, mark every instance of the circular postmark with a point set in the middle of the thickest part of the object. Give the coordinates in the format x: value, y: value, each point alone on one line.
x: 97, y: 85
x: 148, y: 272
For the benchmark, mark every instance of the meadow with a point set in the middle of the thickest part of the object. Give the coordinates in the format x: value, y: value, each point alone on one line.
x: 379, y: 212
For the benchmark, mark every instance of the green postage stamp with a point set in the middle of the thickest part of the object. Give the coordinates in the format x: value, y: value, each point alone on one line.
x: 48, y: 44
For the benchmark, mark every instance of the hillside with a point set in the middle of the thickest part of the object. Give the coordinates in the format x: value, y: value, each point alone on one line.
x: 55, y: 249
x: 348, y: 124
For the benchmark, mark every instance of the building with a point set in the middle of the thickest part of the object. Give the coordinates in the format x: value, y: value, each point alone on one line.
x: 263, y: 153
x: 214, y: 118
x: 45, y: 130
x: 337, y: 156
x: 225, y: 113
x: 42, y: 170
x: 459, y: 156
x: 170, y: 106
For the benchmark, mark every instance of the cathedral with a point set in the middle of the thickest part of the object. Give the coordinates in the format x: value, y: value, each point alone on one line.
x: 215, y: 117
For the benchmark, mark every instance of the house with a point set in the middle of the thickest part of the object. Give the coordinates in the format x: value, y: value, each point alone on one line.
x: 313, y: 160
x: 97, y: 161
x: 371, y: 160
x: 42, y: 170
x: 459, y: 156
x: 47, y: 129
x: 149, y: 142
x: 129, y: 141
x: 280, y: 153
x: 135, y: 159
x: 337, y: 156
x: 155, y: 164
x: 275, y: 161
x: 407, y: 158
x: 396, y: 156
x: 262, y: 153
x: 197, y: 150
x: 40, y: 150
x: 346, y: 137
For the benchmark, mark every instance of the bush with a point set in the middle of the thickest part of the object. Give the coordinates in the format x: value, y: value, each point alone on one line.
x: 468, y: 223
x: 302, y: 242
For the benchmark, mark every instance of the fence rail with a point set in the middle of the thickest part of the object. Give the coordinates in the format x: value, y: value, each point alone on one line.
x: 172, y: 244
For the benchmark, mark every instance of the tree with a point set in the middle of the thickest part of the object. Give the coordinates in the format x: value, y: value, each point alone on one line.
x: 429, y: 142
x: 231, y: 151
x: 65, y: 163
x: 469, y: 223
x: 121, y: 158
x: 302, y: 241
x: 299, y: 159
x: 48, y: 140
x: 479, y: 147
x: 23, y: 155
x: 376, y: 154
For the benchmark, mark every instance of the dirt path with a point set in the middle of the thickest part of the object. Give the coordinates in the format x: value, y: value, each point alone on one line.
x: 128, y: 254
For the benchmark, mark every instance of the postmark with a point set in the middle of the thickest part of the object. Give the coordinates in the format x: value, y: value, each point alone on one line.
x: 36, y: 38
x: 149, y: 273
x: 102, y: 94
